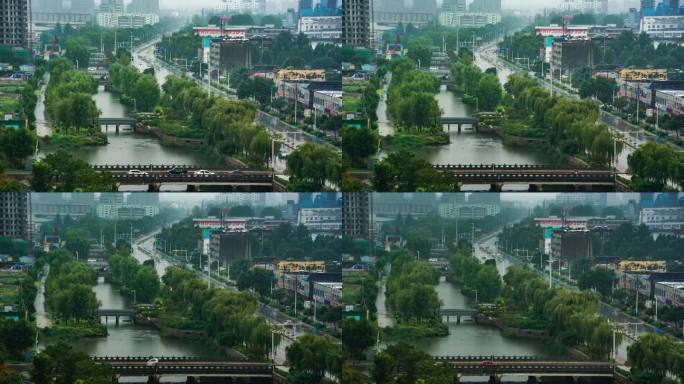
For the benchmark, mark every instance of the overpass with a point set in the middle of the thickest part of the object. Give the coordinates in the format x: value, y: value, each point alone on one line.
x: 459, y: 122
x: 116, y: 122
x: 534, y: 367
x: 237, y: 370
x: 536, y: 176
x: 116, y: 313
x: 457, y: 313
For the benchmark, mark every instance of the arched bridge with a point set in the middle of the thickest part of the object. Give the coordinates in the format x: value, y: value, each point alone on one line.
x: 249, y: 371
x: 536, y: 176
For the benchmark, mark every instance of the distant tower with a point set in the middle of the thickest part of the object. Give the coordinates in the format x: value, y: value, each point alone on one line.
x: 674, y: 7
x: 357, y: 23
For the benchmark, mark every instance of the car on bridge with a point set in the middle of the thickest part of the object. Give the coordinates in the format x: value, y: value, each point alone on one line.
x: 153, y: 362
x: 137, y: 172
x: 203, y: 172
x: 177, y: 171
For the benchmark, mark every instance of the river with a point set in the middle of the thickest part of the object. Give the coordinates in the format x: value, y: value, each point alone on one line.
x: 469, y: 338
x: 128, y: 147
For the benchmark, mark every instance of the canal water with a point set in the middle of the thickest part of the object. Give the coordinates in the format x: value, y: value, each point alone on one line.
x: 128, y: 147
x: 128, y: 339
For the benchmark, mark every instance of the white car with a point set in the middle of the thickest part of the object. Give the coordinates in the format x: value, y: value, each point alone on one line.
x: 136, y: 172
x: 152, y: 362
x: 204, y: 172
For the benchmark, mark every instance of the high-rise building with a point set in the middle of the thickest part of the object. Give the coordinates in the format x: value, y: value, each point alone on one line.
x: 142, y: 198
x: 674, y: 7
x: 586, y: 6
x: 143, y: 6
x: 486, y: 6
x: 112, y: 6
x: 356, y: 213
x: 458, y: 6
x: 82, y: 6
x: 647, y: 8
x: 356, y: 23
x: 15, y: 213
x: 14, y: 23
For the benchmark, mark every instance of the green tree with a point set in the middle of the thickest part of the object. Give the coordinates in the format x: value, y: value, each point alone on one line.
x: 77, y: 51
x: 16, y: 144
x: 241, y: 19
x: 313, y: 166
x: 260, y: 88
x: 489, y: 92
x: 358, y: 145
x: 258, y: 279
x: 314, y: 356
x: 146, y: 93
x: 272, y: 20
x: 600, y: 279
x: 61, y: 172
x: 357, y: 336
x: 146, y: 284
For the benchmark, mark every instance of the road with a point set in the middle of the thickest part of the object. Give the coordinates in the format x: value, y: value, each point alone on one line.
x: 42, y: 319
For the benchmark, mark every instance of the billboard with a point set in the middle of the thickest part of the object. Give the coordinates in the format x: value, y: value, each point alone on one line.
x: 643, y: 74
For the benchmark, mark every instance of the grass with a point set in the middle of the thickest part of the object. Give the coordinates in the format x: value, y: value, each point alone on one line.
x: 63, y: 141
x: 351, y: 104
x: 408, y: 141
x: 411, y: 332
x: 69, y: 333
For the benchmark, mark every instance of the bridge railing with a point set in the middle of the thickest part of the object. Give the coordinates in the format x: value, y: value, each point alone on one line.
x: 164, y: 359
x: 160, y: 167
x: 480, y: 358
x: 503, y: 167
x: 268, y: 178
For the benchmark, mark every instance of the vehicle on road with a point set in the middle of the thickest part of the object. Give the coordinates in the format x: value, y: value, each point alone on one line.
x: 177, y: 171
x: 136, y: 172
x: 152, y: 362
x: 203, y: 172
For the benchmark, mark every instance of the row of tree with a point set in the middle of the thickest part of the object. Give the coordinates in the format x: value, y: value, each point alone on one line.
x: 69, y: 288
x: 474, y: 276
x: 570, y: 125
x: 228, y: 317
x: 571, y: 317
x: 134, y: 279
x: 410, y: 289
x: 652, y: 358
x: 656, y: 167
x: 411, y: 101
x: 140, y: 88
x: 484, y: 87
x: 68, y: 99
x: 227, y: 125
